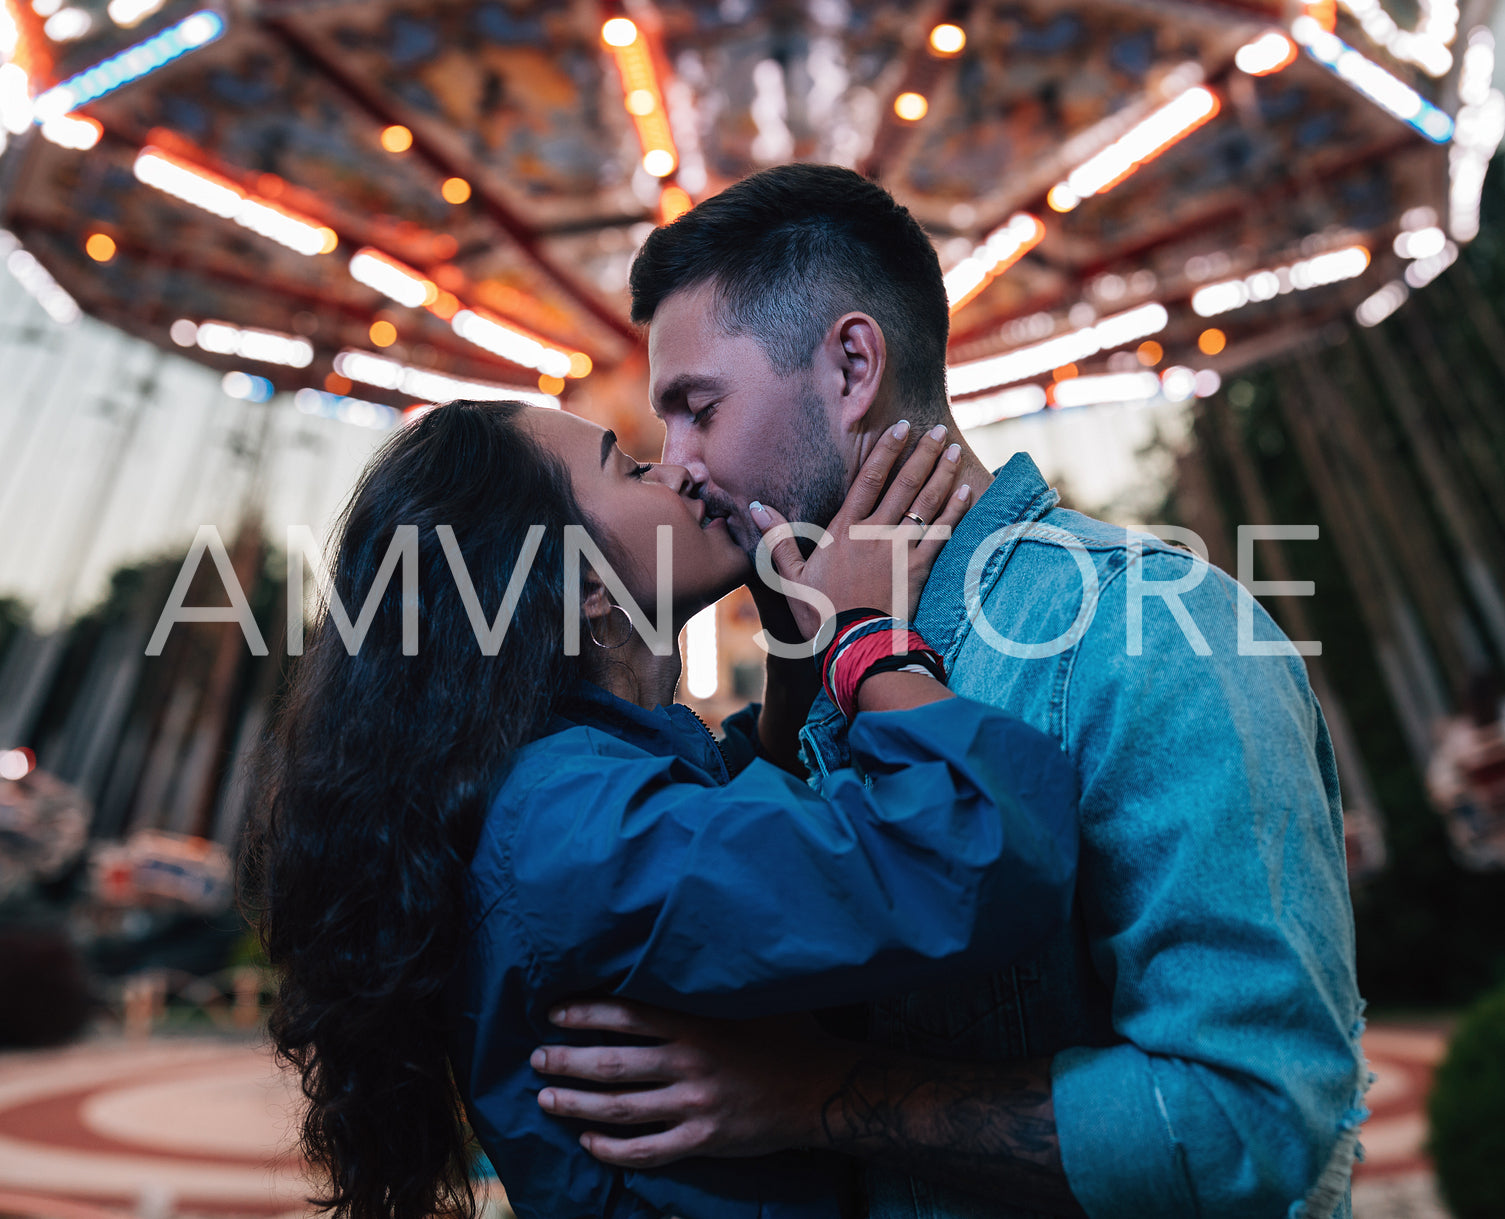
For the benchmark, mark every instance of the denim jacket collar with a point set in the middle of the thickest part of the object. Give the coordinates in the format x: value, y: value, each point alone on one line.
x: 1018, y: 493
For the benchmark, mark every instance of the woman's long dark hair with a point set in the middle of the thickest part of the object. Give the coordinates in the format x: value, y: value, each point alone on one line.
x: 372, y: 783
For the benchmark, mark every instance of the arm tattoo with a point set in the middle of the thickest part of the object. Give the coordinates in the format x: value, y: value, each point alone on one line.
x: 987, y: 1128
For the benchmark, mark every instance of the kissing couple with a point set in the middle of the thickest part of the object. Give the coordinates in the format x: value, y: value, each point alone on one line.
x: 1021, y: 892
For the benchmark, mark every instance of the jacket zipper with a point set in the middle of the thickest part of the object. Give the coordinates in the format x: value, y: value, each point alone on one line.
x: 706, y: 728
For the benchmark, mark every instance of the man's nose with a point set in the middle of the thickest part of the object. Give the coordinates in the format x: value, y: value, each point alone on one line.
x: 681, y: 451
x: 676, y: 477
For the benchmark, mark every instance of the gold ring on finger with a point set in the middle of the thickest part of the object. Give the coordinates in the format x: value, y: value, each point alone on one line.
x: 916, y: 518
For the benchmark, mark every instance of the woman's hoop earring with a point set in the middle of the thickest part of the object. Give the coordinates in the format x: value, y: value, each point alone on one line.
x: 626, y: 635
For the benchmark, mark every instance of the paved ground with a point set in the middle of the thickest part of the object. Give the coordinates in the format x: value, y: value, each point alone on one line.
x: 202, y: 1127
x: 1395, y: 1179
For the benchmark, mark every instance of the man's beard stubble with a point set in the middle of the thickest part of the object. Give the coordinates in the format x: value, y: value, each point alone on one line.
x: 805, y: 478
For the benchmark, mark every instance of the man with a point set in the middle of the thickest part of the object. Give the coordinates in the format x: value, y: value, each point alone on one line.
x: 1190, y: 1044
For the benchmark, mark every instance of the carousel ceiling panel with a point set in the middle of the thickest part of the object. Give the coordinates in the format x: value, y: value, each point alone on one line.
x: 488, y: 154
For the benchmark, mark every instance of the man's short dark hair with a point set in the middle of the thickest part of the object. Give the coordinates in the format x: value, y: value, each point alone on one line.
x: 790, y: 250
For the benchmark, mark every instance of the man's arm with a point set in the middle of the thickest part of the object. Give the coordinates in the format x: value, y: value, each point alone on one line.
x: 749, y: 1087
x: 987, y: 1128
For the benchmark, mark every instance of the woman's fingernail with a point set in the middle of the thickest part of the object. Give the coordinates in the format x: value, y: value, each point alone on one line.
x: 953, y: 452
x: 901, y: 429
x: 546, y: 1098
x: 559, y: 1015
x: 938, y: 432
x: 964, y: 492
x: 539, y: 1060
x: 760, y: 513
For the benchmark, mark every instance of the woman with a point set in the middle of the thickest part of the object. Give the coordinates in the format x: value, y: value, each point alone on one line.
x: 454, y: 840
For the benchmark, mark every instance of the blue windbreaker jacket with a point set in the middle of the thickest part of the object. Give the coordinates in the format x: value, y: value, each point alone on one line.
x: 626, y: 853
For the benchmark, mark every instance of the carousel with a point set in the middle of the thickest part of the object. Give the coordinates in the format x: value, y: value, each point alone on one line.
x: 372, y: 205
x: 364, y: 207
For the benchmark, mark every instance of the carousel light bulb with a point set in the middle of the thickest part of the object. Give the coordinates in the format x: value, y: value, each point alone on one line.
x: 75, y: 131
x: 947, y: 39
x: 619, y: 32
x: 659, y: 162
x: 1268, y: 53
x: 911, y: 107
x: 426, y: 384
x: 68, y: 25
x: 396, y: 138
x: 389, y: 277
x: 502, y: 340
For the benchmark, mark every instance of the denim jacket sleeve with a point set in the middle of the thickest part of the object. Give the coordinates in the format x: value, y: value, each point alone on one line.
x: 1216, y: 901
x: 956, y: 846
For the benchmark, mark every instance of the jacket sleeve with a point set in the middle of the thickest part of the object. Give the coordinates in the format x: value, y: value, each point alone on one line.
x: 955, y: 846
x: 1214, y: 889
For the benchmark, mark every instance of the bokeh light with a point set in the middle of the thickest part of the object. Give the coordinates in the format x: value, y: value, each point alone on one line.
x: 911, y: 107
x: 947, y: 39
x: 383, y: 333
x: 1211, y: 341
x: 619, y: 32
x: 659, y: 162
x: 100, y: 247
x: 396, y: 138
x: 455, y: 190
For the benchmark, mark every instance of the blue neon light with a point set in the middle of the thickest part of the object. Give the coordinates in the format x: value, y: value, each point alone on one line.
x: 133, y: 63
x: 1336, y: 55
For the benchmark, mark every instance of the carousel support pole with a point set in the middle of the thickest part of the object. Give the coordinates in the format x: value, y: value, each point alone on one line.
x: 1197, y: 504
x: 20, y: 712
x: 1409, y: 665
x: 1397, y: 536
x: 1354, y: 775
x: 1479, y: 576
x: 193, y: 811
x: 1465, y: 283
x: 1467, y: 363
x: 1473, y: 454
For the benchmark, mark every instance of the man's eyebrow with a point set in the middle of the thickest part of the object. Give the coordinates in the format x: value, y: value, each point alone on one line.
x: 682, y: 385
x: 608, y: 441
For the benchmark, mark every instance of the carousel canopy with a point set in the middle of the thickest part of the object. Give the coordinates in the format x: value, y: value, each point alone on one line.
x: 395, y: 202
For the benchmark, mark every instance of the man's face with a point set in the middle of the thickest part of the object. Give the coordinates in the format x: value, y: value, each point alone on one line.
x: 742, y: 430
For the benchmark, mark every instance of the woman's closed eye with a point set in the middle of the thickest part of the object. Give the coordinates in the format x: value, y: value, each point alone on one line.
x: 639, y: 470
x: 703, y: 416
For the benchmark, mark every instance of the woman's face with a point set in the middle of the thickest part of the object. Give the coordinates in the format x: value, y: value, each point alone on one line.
x: 629, y: 500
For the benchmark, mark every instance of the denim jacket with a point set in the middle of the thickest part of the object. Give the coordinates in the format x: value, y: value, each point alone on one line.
x: 1200, y: 1006
x: 627, y: 853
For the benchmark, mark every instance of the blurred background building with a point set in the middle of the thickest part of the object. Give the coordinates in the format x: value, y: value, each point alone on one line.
x: 1212, y: 264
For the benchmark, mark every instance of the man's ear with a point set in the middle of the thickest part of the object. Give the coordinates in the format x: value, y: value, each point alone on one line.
x: 859, y: 355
